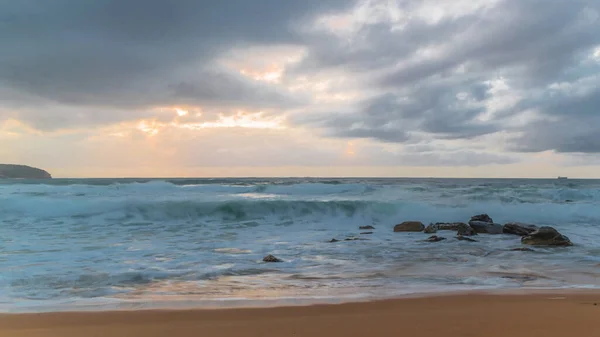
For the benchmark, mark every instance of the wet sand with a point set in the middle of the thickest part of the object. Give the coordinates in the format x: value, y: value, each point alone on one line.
x: 466, y: 315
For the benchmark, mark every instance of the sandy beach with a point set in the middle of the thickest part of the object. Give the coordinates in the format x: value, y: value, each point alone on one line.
x: 533, y: 315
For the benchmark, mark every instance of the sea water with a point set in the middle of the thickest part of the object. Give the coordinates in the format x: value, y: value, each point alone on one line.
x: 96, y: 243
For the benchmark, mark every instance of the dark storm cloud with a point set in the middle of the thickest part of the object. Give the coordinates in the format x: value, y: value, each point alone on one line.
x: 562, y: 136
x: 428, y: 155
x: 137, y: 53
x: 433, y: 108
x: 435, y: 77
x: 538, y: 38
x: 574, y: 127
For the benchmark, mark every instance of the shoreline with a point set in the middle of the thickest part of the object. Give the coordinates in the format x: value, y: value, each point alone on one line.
x: 179, y: 304
x: 544, y: 313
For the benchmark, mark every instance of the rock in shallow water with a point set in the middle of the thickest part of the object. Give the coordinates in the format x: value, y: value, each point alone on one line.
x: 445, y: 226
x: 522, y: 249
x: 486, y: 227
x: 430, y: 229
x: 464, y: 238
x: 450, y: 226
x: 435, y: 238
x: 518, y: 228
x: 271, y: 258
x: 546, y: 236
x: 409, y: 226
x: 466, y: 230
x: 366, y: 227
x: 366, y: 233
x: 482, y: 218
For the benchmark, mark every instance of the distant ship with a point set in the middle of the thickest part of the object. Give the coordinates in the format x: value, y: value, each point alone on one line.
x: 562, y: 178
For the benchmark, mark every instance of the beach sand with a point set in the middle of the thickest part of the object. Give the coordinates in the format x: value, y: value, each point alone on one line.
x: 476, y: 315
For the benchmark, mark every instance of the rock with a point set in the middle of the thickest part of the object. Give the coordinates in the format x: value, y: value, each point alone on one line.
x: 483, y: 223
x: 366, y: 233
x: 464, y: 238
x: 486, y: 227
x: 546, y: 236
x: 366, y: 227
x: 466, y: 230
x: 430, y: 229
x: 522, y: 249
x: 271, y: 258
x: 435, y: 238
x: 518, y: 228
x: 334, y: 240
x: 449, y: 226
x: 409, y: 226
x: 482, y: 218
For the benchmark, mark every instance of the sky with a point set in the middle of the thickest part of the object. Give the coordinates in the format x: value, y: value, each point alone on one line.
x: 411, y: 88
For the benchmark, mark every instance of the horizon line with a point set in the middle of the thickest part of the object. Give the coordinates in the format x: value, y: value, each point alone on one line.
x: 319, y: 177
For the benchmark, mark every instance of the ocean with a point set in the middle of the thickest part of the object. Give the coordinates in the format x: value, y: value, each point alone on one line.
x: 94, y: 244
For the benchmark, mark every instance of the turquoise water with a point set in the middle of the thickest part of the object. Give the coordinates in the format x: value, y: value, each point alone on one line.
x: 69, y: 243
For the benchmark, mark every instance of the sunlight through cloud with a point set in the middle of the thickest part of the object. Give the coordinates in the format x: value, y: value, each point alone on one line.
x: 241, y: 120
x: 181, y: 112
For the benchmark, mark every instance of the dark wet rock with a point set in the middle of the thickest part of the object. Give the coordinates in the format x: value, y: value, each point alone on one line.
x: 460, y: 227
x: 466, y: 230
x: 366, y: 227
x: 568, y: 200
x: 486, y: 227
x: 518, y: 228
x: 449, y: 226
x: 435, y: 238
x: 546, y: 236
x: 464, y: 238
x: 409, y: 226
x: 483, y: 223
x: 430, y: 229
x: 522, y: 249
x: 482, y: 218
x: 366, y: 233
x: 334, y: 240
x: 271, y: 258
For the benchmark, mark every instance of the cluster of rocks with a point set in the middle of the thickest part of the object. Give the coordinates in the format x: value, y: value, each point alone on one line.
x: 479, y: 224
x: 484, y: 224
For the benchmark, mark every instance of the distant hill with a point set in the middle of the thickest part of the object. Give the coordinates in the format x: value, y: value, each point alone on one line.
x: 22, y: 172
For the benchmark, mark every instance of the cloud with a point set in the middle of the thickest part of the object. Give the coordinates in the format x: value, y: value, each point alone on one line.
x: 433, y: 109
x: 136, y: 54
x: 420, y: 155
x: 406, y: 82
x: 137, y: 145
x: 463, y: 70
